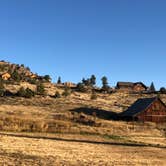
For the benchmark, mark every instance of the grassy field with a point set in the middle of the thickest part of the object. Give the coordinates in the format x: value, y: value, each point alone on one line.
x: 77, y: 131
x: 55, y: 150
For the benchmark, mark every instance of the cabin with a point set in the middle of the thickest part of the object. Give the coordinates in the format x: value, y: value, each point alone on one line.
x: 131, y: 87
x: 146, y: 109
x: 5, y: 76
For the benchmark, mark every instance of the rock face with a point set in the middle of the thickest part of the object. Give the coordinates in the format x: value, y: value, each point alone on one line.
x: 16, y: 72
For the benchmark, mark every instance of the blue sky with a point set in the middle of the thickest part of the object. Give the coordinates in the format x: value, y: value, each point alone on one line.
x: 122, y: 39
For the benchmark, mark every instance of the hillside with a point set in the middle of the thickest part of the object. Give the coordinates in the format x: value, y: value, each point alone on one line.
x: 60, y: 114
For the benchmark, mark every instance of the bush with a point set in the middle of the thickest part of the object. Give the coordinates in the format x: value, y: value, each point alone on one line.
x: 67, y: 91
x: 2, y: 92
x: 40, y: 89
x: 15, y: 76
x: 21, y: 92
x: 163, y: 90
x: 81, y: 87
x: 28, y: 93
x: 47, y: 78
x: 57, y: 95
x: 93, y: 96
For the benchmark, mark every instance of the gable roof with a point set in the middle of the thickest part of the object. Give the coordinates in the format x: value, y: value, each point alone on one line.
x: 139, y: 106
x: 130, y: 84
x: 136, y: 83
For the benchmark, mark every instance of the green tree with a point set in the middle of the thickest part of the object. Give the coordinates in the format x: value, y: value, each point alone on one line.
x: 59, y: 80
x: 81, y: 87
x: 105, y: 85
x: 162, y: 90
x: 152, y: 87
x: 47, y: 78
x: 22, y: 65
x: 93, y: 80
x: 86, y: 82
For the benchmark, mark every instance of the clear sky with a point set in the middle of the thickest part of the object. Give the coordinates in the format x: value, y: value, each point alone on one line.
x: 122, y: 39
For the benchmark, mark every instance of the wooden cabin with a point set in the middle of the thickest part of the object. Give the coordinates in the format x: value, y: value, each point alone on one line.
x: 146, y: 109
x: 130, y: 86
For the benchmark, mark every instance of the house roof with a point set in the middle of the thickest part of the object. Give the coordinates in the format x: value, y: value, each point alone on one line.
x: 125, y: 84
x: 139, y: 106
x: 141, y: 84
x: 130, y: 84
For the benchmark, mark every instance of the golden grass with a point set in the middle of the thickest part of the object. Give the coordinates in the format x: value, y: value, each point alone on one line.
x: 33, y: 151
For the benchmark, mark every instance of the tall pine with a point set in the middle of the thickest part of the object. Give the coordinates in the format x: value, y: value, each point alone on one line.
x: 152, y: 87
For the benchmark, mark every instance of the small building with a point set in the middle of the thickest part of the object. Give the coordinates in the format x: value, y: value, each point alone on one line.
x: 70, y: 84
x: 130, y: 86
x: 146, y: 109
x: 5, y: 76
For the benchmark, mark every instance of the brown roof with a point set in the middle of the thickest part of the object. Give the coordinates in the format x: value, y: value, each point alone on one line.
x: 139, y: 106
x: 129, y: 84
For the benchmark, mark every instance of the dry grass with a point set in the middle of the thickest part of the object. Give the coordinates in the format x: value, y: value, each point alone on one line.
x: 76, y: 132
x: 30, y: 151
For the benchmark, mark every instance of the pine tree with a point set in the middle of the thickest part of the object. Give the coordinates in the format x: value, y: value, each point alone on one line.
x: 47, y: 78
x: 105, y: 85
x: 93, y: 80
x: 152, y: 87
x: 59, y: 80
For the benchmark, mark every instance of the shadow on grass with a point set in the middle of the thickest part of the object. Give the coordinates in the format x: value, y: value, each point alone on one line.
x: 102, y: 114
x: 84, y: 141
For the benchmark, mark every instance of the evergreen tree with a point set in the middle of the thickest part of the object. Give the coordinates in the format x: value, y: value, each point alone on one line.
x: 104, y: 82
x: 152, y: 87
x: 162, y: 90
x: 59, y: 80
x: 84, y: 81
x: 81, y: 87
x: 47, y: 78
x: 105, y: 85
x: 93, y: 80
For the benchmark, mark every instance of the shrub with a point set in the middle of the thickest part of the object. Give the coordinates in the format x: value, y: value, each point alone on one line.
x: 93, y: 96
x: 40, y: 89
x: 15, y: 76
x: 57, y: 94
x: 162, y: 90
x: 81, y: 87
x: 28, y: 93
x: 32, y: 81
x: 67, y: 91
x: 21, y: 92
x: 47, y: 78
